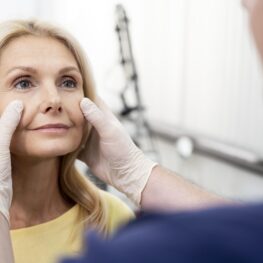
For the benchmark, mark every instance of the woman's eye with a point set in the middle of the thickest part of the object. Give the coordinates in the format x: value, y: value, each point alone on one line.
x: 23, y: 84
x: 69, y: 83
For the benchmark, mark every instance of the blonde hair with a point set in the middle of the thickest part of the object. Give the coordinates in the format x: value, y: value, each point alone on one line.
x: 73, y: 185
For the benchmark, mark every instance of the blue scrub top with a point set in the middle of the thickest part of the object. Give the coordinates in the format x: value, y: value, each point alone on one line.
x: 226, y: 234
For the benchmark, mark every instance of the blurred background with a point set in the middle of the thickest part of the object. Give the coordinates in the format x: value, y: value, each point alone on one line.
x: 197, y: 77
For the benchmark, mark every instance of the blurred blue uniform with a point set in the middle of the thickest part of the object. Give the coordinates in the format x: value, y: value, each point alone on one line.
x: 229, y: 234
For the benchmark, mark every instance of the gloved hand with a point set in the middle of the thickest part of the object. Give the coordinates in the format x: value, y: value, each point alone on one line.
x: 8, y: 123
x: 111, y: 154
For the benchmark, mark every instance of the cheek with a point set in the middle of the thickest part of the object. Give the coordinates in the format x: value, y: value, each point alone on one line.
x: 7, y: 98
x: 72, y: 107
x: 77, y: 118
x: 75, y: 115
x: 20, y: 140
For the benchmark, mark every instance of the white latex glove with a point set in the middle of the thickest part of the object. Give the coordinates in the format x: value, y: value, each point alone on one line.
x: 8, y: 123
x: 111, y: 154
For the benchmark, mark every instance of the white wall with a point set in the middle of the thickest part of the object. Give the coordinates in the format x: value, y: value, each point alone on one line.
x: 223, y: 78
x: 13, y: 9
x: 197, y: 64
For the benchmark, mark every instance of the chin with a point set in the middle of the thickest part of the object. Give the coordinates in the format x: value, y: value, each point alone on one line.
x: 52, y: 153
x: 47, y: 149
x: 44, y: 154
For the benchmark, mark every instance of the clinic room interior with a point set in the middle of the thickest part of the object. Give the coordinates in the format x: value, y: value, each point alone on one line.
x: 182, y: 76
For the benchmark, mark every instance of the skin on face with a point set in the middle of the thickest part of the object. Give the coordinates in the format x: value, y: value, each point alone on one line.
x: 42, y: 73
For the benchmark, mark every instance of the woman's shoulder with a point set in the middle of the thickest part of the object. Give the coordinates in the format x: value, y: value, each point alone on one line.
x: 117, y: 211
x: 115, y: 204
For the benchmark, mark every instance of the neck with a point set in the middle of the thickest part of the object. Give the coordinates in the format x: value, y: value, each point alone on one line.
x: 36, y: 194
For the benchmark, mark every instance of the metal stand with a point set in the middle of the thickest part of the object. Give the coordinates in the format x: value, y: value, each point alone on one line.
x: 143, y: 136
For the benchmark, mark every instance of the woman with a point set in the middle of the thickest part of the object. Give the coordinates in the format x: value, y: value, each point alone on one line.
x: 45, y: 68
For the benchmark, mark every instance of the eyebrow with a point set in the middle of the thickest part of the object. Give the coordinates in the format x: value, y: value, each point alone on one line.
x: 32, y: 70
x: 67, y: 69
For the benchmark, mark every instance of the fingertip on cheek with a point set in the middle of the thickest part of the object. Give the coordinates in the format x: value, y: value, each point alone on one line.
x: 84, y: 104
x: 18, y: 105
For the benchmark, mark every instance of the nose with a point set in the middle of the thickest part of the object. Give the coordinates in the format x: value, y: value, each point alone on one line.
x: 51, y: 101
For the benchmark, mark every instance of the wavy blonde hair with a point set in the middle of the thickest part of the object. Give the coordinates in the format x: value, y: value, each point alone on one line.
x: 73, y: 185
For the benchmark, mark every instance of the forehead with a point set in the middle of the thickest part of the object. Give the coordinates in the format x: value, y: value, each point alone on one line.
x: 35, y: 50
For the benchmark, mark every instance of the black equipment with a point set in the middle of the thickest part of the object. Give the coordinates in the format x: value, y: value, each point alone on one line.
x: 134, y: 113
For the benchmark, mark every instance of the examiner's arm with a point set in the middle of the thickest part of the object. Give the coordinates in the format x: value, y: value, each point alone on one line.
x: 6, y: 251
x: 8, y: 123
x: 166, y: 190
x: 114, y: 158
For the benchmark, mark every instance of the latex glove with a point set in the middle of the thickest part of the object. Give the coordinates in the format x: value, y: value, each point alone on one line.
x: 111, y: 154
x: 8, y: 123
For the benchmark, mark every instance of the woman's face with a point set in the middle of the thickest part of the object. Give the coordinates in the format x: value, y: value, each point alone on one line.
x: 42, y: 73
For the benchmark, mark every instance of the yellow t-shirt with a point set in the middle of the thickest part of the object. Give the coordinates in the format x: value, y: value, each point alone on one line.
x: 47, y: 242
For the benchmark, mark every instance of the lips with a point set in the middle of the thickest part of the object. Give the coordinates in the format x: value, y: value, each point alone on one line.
x: 53, y: 126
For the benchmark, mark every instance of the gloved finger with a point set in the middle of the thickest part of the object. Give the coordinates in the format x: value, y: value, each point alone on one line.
x: 108, y: 113
x: 94, y: 115
x: 104, y: 108
x: 9, y: 121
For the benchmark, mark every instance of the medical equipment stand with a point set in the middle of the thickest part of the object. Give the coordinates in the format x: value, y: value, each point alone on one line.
x: 143, y: 136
